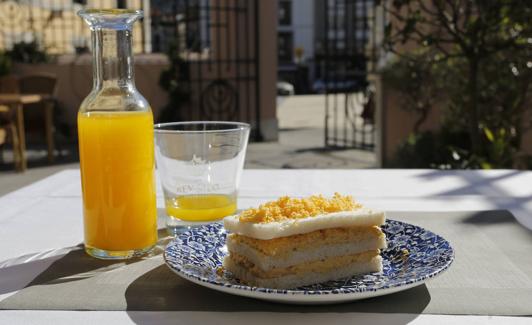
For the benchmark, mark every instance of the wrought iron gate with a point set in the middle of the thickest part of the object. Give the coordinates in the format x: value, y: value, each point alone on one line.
x: 218, y: 42
x: 347, y: 54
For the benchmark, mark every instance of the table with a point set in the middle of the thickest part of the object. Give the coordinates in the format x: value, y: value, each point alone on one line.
x: 16, y: 102
x: 47, y: 217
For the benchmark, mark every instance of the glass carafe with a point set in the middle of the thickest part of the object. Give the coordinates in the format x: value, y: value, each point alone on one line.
x: 115, y: 129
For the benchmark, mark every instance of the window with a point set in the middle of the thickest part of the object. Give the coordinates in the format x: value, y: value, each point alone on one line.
x: 285, y: 13
x: 285, y: 47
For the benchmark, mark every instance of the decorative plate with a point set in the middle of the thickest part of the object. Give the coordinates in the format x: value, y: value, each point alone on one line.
x: 413, y: 256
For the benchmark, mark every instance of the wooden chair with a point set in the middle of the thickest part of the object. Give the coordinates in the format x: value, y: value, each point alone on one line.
x: 42, y: 84
x: 8, y: 127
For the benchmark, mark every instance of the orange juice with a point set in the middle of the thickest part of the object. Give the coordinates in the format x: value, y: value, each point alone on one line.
x: 201, y: 207
x: 117, y: 176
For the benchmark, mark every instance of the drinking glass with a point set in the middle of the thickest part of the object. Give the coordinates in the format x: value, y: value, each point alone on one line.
x: 200, y: 165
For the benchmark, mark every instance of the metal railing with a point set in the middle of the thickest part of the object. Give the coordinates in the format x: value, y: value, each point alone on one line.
x: 348, y: 53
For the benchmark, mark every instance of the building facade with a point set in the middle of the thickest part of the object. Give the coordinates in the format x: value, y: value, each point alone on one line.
x: 312, y: 33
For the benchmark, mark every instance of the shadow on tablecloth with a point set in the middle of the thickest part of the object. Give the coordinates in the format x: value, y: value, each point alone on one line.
x: 161, y: 290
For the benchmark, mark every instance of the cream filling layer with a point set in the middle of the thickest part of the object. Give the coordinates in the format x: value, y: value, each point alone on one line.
x: 306, y: 254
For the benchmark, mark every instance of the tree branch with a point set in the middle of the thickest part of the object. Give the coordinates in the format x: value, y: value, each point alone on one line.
x: 445, y: 19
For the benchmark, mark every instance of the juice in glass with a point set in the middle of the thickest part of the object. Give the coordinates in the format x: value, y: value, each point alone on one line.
x: 206, y: 207
x: 117, y: 173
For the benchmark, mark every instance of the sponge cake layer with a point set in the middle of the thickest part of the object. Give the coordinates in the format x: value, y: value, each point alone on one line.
x: 296, y: 279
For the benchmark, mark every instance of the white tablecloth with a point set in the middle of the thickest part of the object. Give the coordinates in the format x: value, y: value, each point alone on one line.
x: 37, y: 222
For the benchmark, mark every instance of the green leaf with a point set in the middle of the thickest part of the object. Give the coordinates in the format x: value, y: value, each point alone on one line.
x: 486, y: 165
x: 502, y: 133
x: 489, y: 134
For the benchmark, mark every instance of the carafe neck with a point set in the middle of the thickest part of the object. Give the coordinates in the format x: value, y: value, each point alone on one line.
x: 112, y: 58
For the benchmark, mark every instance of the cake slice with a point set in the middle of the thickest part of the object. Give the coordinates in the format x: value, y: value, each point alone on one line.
x: 294, y: 242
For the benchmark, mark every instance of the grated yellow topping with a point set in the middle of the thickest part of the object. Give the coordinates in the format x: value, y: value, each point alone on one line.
x: 286, y: 208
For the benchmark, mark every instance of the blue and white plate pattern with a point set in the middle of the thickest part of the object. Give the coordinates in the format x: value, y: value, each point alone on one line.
x: 413, y: 256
